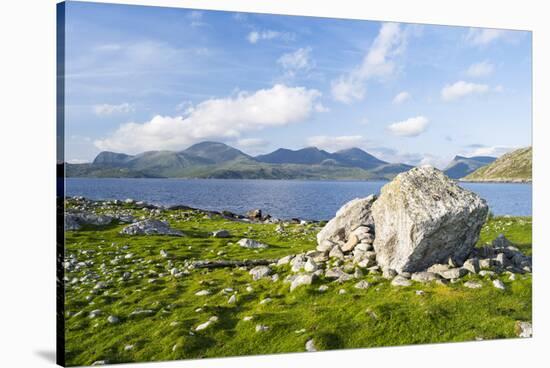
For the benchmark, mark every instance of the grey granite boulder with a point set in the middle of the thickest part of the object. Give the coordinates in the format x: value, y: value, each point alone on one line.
x: 422, y: 217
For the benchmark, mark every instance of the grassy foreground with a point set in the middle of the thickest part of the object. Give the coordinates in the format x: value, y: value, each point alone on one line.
x: 382, y: 315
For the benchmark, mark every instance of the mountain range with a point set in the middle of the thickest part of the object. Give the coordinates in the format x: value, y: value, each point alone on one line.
x: 218, y: 160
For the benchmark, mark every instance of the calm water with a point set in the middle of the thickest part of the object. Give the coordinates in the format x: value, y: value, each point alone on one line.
x: 314, y: 200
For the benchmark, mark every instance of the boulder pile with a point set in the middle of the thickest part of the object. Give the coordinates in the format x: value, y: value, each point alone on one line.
x: 423, y: 227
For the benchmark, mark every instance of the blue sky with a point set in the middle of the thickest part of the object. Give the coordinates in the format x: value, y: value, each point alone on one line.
x: 150, y: 78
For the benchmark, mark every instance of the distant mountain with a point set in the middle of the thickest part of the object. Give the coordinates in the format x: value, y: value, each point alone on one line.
x: 359, y: 158
x: 218, y: 160
x: 215, y: 152
x: 515, y: 166
x: 461, y: 166
x: 306, y: 156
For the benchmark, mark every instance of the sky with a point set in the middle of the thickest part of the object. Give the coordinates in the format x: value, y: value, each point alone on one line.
x: 149, y: 78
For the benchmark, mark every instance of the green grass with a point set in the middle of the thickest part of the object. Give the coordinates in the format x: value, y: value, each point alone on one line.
x: 382, y: 315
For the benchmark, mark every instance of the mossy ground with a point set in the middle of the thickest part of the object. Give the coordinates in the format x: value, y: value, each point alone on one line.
x: 382, y: 315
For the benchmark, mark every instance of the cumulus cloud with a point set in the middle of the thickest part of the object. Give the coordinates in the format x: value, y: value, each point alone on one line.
x: 461, y: 89
x: 255, y: 36
x: 484, y: 150
x: 481, y: 69
x: 410, y: 127
x: 484, y: 36
x: 299, y: 60
x: 401, y: 97
x: 108, y: 109
x: 377, y: 63
x: 219, y: 118
x: 331, y: 143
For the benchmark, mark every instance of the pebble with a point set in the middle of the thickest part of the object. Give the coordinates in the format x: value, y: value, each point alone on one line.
x: 113, y: 319
x: 203, y: 293
x: 498, y: 284
x: 260, y: 328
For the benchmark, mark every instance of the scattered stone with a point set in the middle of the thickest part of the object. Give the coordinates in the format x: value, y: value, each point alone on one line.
x: 325, y: 245
x: 419, y: 292
x: 486, y: 273
x: 362, y: 285
x: 95, y: 313
x: 285, y: 260
x: 255, y: 214
x: 400, y: 281
x: 501, y: 242
x: 310, y: 346
x: 310, y: 266
x: 499, y: 284
x: 247, y: 318
x: 260, y: 272
x: 232, y: 299
x: 128, y: 347
x: 261, y: 328
x: 203, y: 293
x: 425, y: 276
x: 75, y: 220
x: 473, y: 284
x: 140, y: 312
x: 221, y: 234
x: 113, y: 319
x: 150, y: 227
x: 323, y: 288
x: 265, y: 301
x: 301, y: 280
x: 471, y: 265
x: 453, y: 273
x: 342, y: 291
x: 336, y: 252
x: 351, y: 243
x: 251, y: 244
x: 524, y: 329
x: 422, y: 218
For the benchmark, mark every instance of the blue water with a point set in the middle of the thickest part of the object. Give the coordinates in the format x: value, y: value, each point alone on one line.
x: 314, y: 200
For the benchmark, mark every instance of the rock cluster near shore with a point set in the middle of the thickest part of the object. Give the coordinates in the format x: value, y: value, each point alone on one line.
x: 422, y: 228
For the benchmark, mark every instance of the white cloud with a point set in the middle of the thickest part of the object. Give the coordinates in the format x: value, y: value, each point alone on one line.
x: 299, y: 60
x: 332, y: 144
x: 461, y: 89
x: 220, y: 118
x: 410, y: 127
x: 481, y: 69
x: 377, y: 63
x: 401, y: 97
x: 107, y: 109
x: 482, y: 150
x: 252, y: 142
x: 255, y: 36
x: 484, y: 36
x: 319, y: 107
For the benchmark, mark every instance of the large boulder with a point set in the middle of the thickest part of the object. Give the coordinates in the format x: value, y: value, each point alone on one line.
x: 75, y: 220
x: 422, y: 218
x: 352, y: 215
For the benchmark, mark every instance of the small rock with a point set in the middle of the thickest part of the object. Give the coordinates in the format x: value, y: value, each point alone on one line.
x: 524, y: 329
x: 453, y: 273
x: 259, y: 272
x: 310, y: 346
x: 310, y: 266
x: 261, y: 328
x: 251, y: 244
x: 203, y: 293
x: 362, y: 285
x: 499, y: 284
x: 424, y: 276
x: 247, y: 318
x: 301, y: 280
x: 113, y: 319
x: 323, y: 288
x: 232, y: 299
x: 342, y: 291
x: 128, y: 347
x: 419, y: 292
x: 221, y: 234
x: 473, y: 284
x: 400, y: 281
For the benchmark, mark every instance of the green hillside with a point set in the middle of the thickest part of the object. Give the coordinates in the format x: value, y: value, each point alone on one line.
x: 516, y: 166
